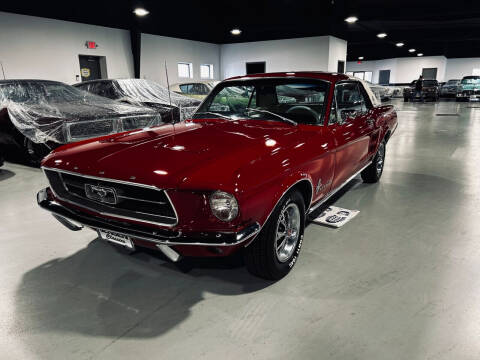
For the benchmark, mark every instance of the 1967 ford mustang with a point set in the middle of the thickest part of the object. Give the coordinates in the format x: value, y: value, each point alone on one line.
x: 259, y: 155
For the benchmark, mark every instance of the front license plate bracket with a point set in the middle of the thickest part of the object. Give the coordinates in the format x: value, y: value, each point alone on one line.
x: 116, y: 238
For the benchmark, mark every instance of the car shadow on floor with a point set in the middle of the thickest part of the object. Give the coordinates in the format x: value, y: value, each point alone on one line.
x: 6, y: 174
x: 98, y: 291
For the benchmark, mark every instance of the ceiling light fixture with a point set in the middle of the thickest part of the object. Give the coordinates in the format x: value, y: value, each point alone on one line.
x: 382, y: 35
x: 235, y: 31
x: 360, y: 58
x: 351, y: 19
x: 400, y: 44
x: 411, y: 50
x: 141, y: 12
x: 419, y: 54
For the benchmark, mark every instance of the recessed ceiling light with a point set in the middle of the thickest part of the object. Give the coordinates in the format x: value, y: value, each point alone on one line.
x: 419, y: 54
x: 400, y: 44
x: 360, y: 58
x: 235, y: 31
x: 141, y: 12
x: 381, y: 35
x: 411, y: 50
x: 351, y: 19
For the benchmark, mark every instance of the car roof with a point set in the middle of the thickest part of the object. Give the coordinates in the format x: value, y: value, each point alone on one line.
x: 328, y: 76
x: 24, y: 81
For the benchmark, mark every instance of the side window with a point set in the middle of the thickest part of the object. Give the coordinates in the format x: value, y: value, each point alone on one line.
x: 350, y: 101
x: 186, y: 88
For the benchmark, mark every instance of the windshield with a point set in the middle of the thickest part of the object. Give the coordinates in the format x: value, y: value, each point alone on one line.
x: 453, y: 82
x: 289, y: 100
x: 471, y: 80
x: 32, y: 92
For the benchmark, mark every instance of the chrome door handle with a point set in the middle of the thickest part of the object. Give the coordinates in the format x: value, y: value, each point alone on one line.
x: 370, y: 122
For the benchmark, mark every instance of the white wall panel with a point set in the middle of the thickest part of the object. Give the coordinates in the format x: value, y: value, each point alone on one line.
x: 302, y: 54
x: 156, y: 49
x: 458, y: 68
x: 42, y: 48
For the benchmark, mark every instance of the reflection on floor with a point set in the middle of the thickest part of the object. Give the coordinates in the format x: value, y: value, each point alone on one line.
x: 400, y: 281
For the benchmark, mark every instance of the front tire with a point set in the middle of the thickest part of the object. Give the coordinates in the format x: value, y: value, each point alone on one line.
x: 405, y: 99
x: 374, y: 171
x: 275, y: 251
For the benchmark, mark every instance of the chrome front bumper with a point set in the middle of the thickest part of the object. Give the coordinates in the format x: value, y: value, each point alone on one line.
x: 76, y: 220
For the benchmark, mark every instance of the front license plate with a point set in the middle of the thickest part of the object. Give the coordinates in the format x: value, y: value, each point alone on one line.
x: 117, y: 238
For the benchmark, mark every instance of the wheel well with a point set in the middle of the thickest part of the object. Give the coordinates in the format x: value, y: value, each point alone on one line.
x: 305, y: 188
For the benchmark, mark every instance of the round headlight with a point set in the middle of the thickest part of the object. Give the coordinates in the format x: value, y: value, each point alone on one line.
x: 224, y: 205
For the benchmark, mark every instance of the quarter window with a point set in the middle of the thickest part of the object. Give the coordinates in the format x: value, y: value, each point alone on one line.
x: 350, y: 101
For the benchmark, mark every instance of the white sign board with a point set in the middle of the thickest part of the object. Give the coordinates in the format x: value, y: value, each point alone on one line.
x: 335, y: 216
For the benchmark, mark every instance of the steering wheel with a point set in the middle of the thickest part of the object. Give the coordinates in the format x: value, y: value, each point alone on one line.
x: 303, y: 107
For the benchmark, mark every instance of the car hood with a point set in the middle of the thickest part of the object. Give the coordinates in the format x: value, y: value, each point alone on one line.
x: 196, y: 154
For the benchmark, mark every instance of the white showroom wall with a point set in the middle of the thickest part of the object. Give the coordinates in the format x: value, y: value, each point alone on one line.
x: 458, y: 68
x: 402, y: 70
x: 41, y: 48
x: 320, y: 53
x: 156, y: 50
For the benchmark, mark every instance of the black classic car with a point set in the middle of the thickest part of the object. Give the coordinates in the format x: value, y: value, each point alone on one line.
x: 37, y: 116
x: 430, y: 90
x: 172, y: 106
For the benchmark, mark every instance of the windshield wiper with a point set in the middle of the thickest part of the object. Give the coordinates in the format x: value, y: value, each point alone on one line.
x: 290, y: 121
x: 213, y: 113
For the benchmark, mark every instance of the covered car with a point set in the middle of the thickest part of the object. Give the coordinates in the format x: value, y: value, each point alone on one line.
x: 383, y: 93
x: 172, y: 106
x: 39, y: 115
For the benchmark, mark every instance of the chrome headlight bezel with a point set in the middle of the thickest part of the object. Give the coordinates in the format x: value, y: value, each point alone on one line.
x: 224, y: 206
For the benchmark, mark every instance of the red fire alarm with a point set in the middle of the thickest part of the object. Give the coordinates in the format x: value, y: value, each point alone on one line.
x: 91, y: 45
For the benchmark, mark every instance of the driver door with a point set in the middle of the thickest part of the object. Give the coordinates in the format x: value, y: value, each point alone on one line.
x: 351, y: 129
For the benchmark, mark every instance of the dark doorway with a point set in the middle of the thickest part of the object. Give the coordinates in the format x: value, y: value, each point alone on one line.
x: 429, y: 73
x: 90, y: 67
x: 255, y: 67
x: 384, y: 77
x: 341, y: 67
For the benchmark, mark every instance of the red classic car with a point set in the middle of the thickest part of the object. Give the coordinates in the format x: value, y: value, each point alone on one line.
x: 260, y: 154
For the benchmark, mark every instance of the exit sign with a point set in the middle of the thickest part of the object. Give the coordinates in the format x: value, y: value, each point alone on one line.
x: 91, y: 45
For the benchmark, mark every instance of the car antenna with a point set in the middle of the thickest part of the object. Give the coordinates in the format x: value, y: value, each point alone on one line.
x: 168, y: 89
x: 3, y: 71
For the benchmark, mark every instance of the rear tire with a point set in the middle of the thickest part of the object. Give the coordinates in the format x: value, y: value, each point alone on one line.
x: 275, y: 251
x: 374, y: 171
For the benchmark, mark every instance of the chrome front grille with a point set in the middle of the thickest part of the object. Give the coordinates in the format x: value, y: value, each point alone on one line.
x: 124, y: 200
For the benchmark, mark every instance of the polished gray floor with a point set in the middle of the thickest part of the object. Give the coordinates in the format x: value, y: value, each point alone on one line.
x: 400, y: 281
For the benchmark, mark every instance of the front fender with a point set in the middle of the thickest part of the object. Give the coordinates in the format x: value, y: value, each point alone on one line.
x: 260, y: 204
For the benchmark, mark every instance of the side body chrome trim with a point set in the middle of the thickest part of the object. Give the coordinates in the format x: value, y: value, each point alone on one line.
x: 119, y: 182
x: 333, y: 192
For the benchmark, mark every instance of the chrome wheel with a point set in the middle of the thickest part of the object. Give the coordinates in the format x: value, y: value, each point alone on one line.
x: 287, y: 232
x: 380, y: 159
